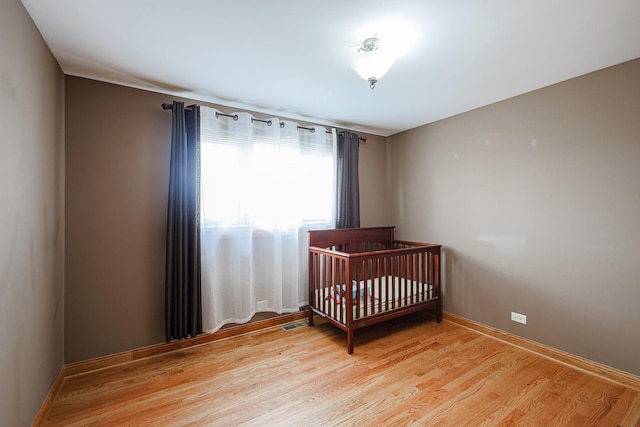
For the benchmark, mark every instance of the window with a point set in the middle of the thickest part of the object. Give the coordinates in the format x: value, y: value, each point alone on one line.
x: 263, y: 186
x: 266, y: 176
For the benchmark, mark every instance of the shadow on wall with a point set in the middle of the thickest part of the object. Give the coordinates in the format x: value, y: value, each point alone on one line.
x: 471, y: 288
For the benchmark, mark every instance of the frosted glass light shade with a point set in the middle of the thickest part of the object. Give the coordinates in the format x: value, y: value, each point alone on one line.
x: 372, y: 65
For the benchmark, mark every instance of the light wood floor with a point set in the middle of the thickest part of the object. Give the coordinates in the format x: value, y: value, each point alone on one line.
x: 409, y: 371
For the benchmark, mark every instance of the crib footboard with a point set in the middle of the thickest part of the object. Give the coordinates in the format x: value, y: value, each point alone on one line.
x: 354, y: 290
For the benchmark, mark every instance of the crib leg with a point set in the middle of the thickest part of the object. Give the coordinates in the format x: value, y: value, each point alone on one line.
x: 439, y: 311
x: 310, y: 316
x: 350, y: 341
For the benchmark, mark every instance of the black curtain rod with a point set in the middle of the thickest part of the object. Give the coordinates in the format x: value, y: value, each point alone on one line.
x: 253, y: 119
x: 167, y: 106
x: 360, y: 138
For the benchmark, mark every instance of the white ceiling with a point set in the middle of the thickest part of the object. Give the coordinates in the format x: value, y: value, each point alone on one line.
x: 291, y: 57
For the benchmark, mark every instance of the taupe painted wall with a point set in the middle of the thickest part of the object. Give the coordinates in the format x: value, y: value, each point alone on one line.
x: 372, y: 169
x: 117, y: 161
x: 31, y: 217
x: 117, y: 157
x: 537, y: 202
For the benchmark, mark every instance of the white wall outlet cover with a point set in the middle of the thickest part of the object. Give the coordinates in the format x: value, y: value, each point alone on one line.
x: 520, y: 318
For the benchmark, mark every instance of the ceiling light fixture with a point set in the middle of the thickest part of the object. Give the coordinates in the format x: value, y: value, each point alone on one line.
x: 372, y: 60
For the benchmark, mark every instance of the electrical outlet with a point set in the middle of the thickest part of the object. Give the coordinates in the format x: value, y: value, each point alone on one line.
x: 520, y: 318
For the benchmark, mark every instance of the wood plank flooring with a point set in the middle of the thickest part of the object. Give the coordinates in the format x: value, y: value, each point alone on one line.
x: 409, y: 371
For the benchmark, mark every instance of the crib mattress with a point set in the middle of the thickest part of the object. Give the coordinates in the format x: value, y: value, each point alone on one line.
x: 377, y: 295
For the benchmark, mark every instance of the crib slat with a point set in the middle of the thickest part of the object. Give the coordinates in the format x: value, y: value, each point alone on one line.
x: 337, y: 297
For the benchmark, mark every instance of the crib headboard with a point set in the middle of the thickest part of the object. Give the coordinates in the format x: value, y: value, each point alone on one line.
x: 353, y: 240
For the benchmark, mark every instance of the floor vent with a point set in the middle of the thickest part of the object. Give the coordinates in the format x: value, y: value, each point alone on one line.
x: 294, y: 326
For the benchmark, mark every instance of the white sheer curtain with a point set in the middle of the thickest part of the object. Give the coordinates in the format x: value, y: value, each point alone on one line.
x: 265, y: 183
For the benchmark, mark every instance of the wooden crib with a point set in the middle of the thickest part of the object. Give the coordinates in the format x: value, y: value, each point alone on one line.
x: 362, y: 276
